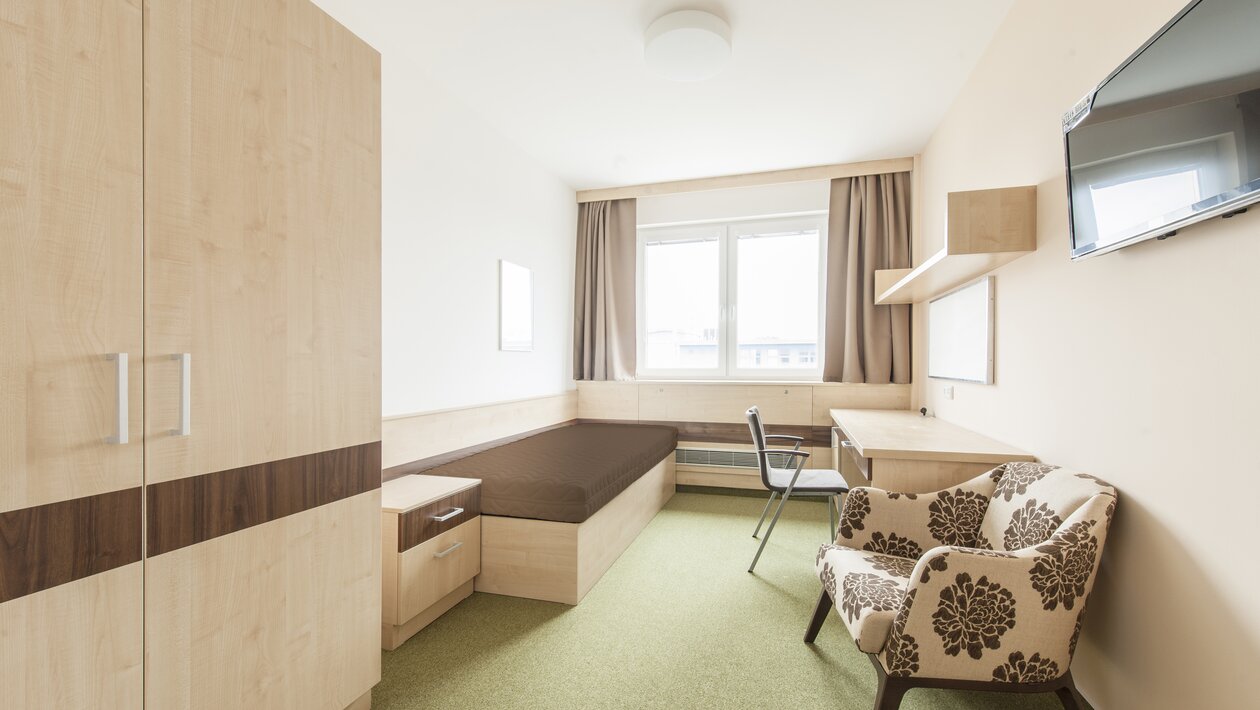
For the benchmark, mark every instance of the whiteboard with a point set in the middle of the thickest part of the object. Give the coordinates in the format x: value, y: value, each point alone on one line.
x: 960, y: 334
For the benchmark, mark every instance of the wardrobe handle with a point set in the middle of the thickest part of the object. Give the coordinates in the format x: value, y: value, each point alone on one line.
x: 185, y: 394
x: 120, y: 398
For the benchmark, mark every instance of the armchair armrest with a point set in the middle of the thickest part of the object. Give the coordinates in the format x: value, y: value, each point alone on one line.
x: 973, y: 614
x: 789, y: 437
x: 909, y: 524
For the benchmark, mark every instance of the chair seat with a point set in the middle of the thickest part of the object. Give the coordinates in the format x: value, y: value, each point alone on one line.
x: 812, y: 480
x: 867, y: 589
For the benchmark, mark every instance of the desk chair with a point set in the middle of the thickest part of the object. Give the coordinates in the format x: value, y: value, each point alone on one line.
x: 792, y: 480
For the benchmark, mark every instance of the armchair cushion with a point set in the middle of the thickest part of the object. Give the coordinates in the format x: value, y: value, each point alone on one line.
x: 872, y: 517
x: 1029, y: 503
x: 866, y: 588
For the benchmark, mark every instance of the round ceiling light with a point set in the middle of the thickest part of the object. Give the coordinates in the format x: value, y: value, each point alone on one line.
x: 688, y: 45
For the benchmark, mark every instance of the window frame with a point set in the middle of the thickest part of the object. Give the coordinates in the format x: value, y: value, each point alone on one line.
x: 727, y: 233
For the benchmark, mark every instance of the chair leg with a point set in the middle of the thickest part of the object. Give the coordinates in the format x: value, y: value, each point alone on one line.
x: 778, y: 511
x: 820, y: 615
x: 1068, y: 696
x: 831, y: 516
x: 764, y: 510
x: 890, y: 692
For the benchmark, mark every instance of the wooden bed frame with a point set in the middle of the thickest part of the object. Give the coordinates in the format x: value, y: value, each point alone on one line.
x: 560, y: 562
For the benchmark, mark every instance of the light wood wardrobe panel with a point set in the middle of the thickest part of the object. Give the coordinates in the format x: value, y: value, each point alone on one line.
x: 77, y: 645
x: 70, y: 246
x: 262, y: 207
x: 285, y: 615
x: 71, y: 107
x: 262, y: 243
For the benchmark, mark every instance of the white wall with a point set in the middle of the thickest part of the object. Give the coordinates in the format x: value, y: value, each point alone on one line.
x: 457, y: 198
x: 1138, y: 366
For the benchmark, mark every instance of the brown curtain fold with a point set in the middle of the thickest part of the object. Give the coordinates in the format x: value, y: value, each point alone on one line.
x: 603, y: 298
x: 868, y: 229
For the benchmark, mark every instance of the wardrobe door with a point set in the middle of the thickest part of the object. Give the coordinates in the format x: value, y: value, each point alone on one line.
x: 262, y: 337
x: 70, y: 296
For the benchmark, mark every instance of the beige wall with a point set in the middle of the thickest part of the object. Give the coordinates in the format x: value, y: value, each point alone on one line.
x: 1139, y: 366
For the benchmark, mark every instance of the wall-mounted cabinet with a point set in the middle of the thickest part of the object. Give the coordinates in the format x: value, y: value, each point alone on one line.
x: 985, y: 229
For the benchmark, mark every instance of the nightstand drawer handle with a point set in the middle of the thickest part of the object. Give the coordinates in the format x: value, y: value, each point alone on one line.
x: 448, y: 516
x: 449, y: 550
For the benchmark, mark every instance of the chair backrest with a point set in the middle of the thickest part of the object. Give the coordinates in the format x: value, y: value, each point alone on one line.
x: 1032, y: 501
x: 759, y: 442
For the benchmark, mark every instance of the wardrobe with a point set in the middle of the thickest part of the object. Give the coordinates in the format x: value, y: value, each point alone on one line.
x: 189, y: 356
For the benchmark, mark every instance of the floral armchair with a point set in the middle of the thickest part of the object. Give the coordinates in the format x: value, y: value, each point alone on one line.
x: 982, y: 586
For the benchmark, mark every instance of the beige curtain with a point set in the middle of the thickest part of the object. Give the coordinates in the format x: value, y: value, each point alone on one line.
x: 868, y: 229
x: 603, y: 299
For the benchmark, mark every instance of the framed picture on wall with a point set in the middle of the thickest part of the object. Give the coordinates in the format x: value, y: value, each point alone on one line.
x: 516, y: 307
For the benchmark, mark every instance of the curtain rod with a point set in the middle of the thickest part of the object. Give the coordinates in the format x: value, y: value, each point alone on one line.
x: 773, y: 177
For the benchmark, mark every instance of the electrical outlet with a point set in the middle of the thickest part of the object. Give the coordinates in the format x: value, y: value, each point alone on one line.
x: 948, y: 391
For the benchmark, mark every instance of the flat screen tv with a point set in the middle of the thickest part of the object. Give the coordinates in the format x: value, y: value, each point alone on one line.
x: 1172, y: 137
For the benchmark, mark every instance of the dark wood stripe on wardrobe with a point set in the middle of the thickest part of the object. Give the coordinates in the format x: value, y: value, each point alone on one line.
x: 190, y: 510
x: 417, y: 526
x: 49, y: 545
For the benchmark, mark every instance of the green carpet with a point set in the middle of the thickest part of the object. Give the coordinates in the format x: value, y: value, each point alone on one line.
x: 676, y: 623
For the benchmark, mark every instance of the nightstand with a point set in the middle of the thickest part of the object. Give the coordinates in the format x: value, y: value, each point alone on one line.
x: 431, y: 550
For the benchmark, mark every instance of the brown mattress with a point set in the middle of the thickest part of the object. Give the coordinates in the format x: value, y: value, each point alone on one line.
x: 563, y: 474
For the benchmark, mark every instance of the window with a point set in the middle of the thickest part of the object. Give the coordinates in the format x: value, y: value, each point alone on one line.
x: 733, y: 300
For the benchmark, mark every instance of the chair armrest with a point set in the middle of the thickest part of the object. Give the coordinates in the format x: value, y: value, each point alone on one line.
x: 908, y: 524
x: 973, y: 614
x: 789, y: 437
x: 786, y: 452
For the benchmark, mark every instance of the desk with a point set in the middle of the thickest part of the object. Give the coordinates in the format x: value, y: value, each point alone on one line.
x: 903, y: 451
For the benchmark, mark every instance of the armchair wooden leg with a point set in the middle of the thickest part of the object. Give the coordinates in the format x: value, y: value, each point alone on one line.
x: 890, y: 693
x: 1068, y: 696
x: 820, y: 615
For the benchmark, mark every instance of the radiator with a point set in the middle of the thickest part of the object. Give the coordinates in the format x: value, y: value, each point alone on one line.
x: 725, y: 458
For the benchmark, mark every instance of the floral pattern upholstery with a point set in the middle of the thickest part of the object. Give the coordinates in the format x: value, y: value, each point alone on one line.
x: 990, y: 578
x: 867, y: 589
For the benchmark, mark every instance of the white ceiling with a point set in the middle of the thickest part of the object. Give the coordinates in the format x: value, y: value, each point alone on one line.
x: 812, y: 82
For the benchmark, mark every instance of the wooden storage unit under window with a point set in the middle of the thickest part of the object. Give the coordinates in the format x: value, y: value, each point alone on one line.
x: 430, y: 550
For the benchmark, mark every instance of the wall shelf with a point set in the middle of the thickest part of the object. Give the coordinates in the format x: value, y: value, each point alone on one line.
x: 986, y: 229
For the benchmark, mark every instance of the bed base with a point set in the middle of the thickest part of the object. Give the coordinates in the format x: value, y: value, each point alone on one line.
x: 560, y: 562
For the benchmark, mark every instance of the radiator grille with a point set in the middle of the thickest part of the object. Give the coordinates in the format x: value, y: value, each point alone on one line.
x: 725, y: 458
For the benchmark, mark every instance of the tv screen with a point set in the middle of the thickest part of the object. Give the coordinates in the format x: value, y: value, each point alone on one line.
x: 1172, y: 137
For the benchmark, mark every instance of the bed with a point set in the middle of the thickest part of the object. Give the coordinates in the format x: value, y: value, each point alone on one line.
x: 558, y: 507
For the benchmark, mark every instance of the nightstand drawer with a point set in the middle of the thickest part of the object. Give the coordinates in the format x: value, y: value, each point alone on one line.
x: 431, y: 570
x: 429, y: 521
